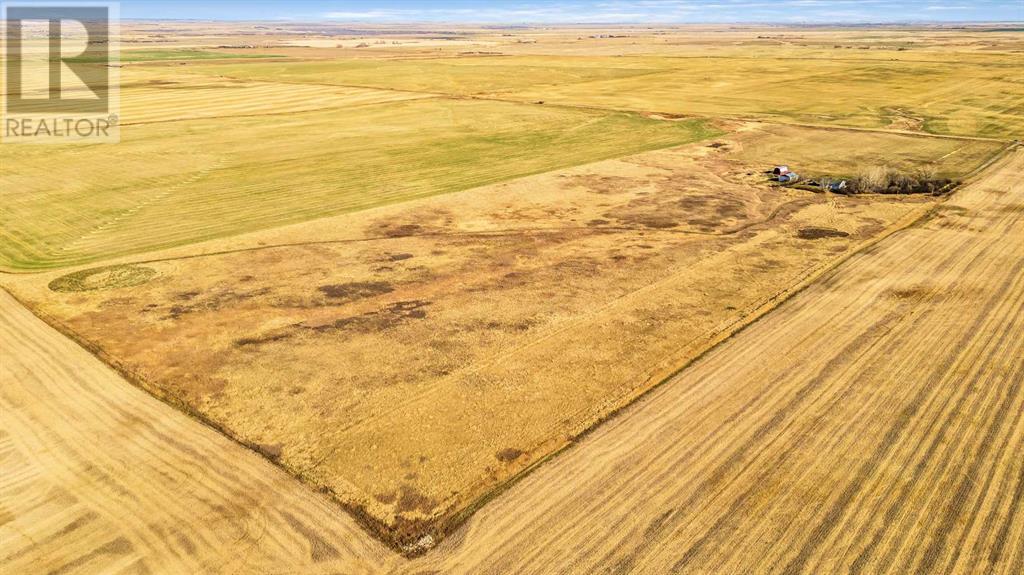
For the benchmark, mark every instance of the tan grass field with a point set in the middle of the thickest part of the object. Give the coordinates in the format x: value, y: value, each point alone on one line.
x: 430, y: 279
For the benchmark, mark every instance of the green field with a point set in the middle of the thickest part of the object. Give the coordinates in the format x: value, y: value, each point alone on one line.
x: 174, y: 183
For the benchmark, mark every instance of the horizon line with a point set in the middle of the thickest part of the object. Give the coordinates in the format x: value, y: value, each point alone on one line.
x: 583, y: 23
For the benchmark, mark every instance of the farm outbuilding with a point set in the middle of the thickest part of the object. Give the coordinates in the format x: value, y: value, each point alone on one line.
x: 780, y: 170
x: 789, y: 178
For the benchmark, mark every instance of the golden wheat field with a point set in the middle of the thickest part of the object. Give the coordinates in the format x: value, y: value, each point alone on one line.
x: 374, y: 300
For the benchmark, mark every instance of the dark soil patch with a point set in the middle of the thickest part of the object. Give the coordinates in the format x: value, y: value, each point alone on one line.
x: 510, y: 327
x: 733, y: 211
x: 820, y: 233
x: 402, y: 230
x: 260, y: 340
x: 411, y: 500
x: 399, y: 257
x: 214, y: 302
x: 692, y: 202
x: 389, y: 317
x: 602, y: 184
x: 509, y: 454
x: 355, y: 290
x: 655, y: 222
x: 916, y: 292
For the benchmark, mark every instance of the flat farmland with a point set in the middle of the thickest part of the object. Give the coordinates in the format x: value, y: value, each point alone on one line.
x: 165, y: 97
x: 935, y: 97
x: 522, y: 300
x: 490, y: 327
x: 973, y: 97
x: 451, y: 75
x: 863, y: 459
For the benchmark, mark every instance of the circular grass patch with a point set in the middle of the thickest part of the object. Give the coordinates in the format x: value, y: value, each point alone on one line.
x: 107, y: 277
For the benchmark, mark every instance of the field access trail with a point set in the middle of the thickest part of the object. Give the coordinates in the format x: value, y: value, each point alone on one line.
x: 873, y: 423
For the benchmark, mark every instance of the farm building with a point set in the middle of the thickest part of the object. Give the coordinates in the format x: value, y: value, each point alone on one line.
x: 789, y: 178
x: 780, y: 170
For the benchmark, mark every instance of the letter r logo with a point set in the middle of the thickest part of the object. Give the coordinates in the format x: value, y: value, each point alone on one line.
x: 37, y: 67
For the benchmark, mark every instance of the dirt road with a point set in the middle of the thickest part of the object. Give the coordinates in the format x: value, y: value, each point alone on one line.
x: 874, y: 423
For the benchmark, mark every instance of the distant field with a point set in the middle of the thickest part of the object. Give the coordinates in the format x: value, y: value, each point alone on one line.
x: 167, y: 97
x: 174, y: 54
x: 460, y: 76
x: 961, y: 95
x: 174, y: 183
x: 936, y: 97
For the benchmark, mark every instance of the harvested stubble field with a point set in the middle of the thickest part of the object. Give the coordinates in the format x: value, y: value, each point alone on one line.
x: 411, y: 276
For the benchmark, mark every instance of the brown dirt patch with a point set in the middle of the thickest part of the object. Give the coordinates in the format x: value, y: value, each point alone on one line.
x: 820, y: 233
x: 355, y: 290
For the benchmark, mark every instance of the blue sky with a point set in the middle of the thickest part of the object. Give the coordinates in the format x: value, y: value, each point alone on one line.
x: 582, y: 11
